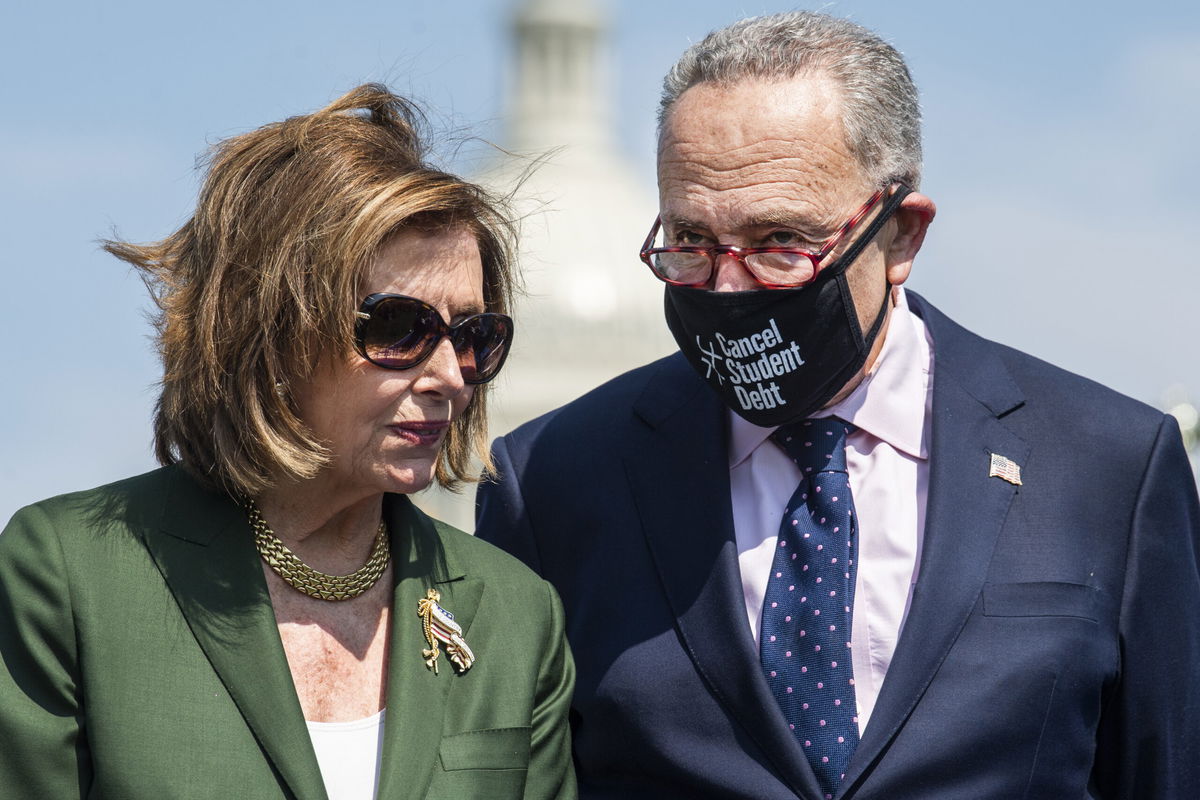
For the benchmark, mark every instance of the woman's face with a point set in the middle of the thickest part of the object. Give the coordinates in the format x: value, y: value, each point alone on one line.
x: 385, y: 427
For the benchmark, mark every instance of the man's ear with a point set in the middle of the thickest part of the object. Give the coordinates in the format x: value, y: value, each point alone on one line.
x: 912, y: 220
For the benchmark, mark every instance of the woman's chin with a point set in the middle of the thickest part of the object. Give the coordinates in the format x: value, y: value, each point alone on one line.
x: 408, y: 479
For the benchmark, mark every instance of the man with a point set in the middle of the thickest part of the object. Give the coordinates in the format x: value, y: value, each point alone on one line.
x: 1013, y: 549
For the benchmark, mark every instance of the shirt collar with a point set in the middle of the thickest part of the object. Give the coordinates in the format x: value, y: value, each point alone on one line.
x: 892, y: 403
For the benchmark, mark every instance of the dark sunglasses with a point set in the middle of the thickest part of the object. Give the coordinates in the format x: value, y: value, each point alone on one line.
x: 397, y: 332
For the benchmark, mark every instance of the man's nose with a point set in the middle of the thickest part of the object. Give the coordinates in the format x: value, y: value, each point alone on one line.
x: 730, y: 274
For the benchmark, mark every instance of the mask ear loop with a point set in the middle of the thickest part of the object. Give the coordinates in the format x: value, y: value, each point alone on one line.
x: 889, y: 208
x: 839, y: 268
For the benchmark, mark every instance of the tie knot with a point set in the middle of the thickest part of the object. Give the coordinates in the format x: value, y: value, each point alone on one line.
x: 816, y: 445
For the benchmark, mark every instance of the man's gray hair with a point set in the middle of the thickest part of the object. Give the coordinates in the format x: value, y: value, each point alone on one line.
x: 880, y: 110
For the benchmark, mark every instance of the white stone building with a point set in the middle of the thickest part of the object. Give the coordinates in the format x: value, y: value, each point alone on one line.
x: 591, y: 310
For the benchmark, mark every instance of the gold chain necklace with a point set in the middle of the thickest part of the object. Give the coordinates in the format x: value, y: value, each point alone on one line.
x: 303, y: 578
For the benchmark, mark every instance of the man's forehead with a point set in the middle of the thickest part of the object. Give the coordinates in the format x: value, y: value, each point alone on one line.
x: 738, y: 156
x: 746, y: 111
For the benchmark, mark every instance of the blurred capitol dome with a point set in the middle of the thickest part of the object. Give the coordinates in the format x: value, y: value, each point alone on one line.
x: 591, y: 309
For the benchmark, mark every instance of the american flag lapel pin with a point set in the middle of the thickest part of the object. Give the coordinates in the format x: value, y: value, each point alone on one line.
x: 1005, y: 469
x: 441, y: 629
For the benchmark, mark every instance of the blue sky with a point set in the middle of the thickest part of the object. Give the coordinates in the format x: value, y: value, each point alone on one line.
x: 1060, y: 148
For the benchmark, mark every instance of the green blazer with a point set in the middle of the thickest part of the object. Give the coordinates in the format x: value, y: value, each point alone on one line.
x: 141, y: 659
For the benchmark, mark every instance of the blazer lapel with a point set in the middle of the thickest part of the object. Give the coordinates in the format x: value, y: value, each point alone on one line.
x: 964, y: 514
x: 416, y: 697
x: 679, y: 477
x: 204, y: 548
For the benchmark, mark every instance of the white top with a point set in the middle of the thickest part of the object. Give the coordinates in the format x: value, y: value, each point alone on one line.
x: 888, y: 462
x: 349, y: 754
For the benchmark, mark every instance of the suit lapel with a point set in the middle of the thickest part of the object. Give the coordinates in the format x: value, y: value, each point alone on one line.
x: 964, y: 514
x: 205, y: 552
x: 204, y: 548
x: 679, y: 477
x: 416, y: 697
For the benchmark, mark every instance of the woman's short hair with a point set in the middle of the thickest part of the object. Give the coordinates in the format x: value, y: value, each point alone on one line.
x: 262, y: 282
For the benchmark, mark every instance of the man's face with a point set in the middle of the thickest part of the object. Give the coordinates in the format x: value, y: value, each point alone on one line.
x: 765, y: 163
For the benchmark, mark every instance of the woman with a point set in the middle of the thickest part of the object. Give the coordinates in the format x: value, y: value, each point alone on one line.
x: 268, y: 615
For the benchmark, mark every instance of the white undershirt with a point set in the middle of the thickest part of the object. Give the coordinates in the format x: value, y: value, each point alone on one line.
x: 888, y: 462
x: 349, y: 754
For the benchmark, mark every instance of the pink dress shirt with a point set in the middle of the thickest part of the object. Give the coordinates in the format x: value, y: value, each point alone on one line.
x: 888, y: 461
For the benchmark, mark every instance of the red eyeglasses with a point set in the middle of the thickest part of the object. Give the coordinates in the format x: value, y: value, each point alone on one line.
x: 398, y: 332
x: 773, y: 267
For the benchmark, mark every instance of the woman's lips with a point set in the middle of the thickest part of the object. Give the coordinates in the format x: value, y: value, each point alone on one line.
x: 421, y: 433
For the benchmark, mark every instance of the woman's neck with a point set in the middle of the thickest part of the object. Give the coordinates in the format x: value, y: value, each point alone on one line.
x: 331, y: 532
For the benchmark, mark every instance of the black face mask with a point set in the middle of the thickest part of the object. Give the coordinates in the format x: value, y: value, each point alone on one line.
x: 778, y: 355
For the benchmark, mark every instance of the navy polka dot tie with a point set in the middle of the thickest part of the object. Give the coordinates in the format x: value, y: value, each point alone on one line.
x: 804, y: 643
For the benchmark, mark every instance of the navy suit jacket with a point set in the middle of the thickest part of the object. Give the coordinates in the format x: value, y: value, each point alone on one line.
x: 1051, y: 650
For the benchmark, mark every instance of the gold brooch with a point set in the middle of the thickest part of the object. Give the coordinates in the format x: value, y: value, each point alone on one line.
x: 440, y: 628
